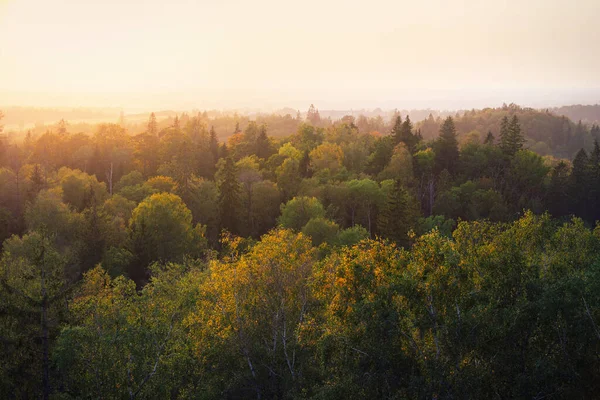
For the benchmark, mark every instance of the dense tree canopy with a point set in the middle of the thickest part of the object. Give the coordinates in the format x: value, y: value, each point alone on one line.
x: 210, y: 255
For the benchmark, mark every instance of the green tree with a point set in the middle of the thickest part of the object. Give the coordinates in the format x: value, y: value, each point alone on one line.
x: 298, y: 211
x: 161, y: 230
x: 511, y: 137
x: 446, y: 149
x: 398, y: 215
x: 229, y: 195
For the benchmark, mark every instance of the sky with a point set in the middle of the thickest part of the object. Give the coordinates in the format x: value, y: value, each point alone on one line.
x: 151, y: 54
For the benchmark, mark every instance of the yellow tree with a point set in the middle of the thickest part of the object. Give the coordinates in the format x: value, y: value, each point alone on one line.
x: 253, y: 305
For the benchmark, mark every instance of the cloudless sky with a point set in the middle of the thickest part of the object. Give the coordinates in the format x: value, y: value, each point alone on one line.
x: 272, y: 53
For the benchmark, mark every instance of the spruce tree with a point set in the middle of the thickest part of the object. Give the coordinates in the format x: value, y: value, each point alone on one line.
x: 511, y: 136
x: 263, y: 146
x: 403, y: 133
x: 229, y: 195
x: 446, y: 149
x: 398, y: 215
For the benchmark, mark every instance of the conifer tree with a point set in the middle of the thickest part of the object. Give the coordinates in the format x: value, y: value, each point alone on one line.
x: 263, y: 146
x: 403, y: 133
x: 398, y: 215
x: 152, y: 125
x: 446, y: 149
x: 579, y: 187
x: 229, y: 195
x: 511, y: 136
x: 489, y: 139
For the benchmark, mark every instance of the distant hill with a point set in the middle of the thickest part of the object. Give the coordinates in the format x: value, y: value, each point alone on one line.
x: 547, y: 132
x: 585, y: 114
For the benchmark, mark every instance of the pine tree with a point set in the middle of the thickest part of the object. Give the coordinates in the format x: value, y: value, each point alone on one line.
x: 446, y: 149
x: 229, y: 195
x: 237, y: 128
x: 398, y: 215
x: 176, y: 122
x: 152, y: 125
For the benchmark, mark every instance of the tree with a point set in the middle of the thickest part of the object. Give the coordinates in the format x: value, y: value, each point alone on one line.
x: 321, y: 230
x: 403, y: 133
x: 214, y: 144
x: 511, y: 137
x: 122, y: 343
x: 264, y: 209
x: 313, y: 116
x: 161, y: 230
x: 229, y: 195
x: 558, y: 190
x: 256, y: 335
x: 263, y: 145
x: 489, y: 139
x: 288, y: 178
x: 400, y: 166
x: 446, y: 149
x: 152, y: 125
x: 33, y: 307
x: 327, y: 156
x: 298, y: 211
x: 579, y: 186
x: 398, y: 215
x: 364, y: 197
x: 304, y: 165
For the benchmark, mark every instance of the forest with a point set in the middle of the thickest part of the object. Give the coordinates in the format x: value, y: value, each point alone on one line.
x: 216, y: 255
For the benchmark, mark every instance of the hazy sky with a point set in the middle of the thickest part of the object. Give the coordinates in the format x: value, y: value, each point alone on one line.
x: 270, y: 53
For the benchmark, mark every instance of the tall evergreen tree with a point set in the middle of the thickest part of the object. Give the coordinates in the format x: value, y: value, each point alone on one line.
x: 446, y: 149
x: 398, y: 215
x: 511, y: 136
x: 229, y: 195
x: 263, y: 145
x: 403, y: 133
x: 579, y: 186
x: 152, y: 125
x: 558, y: 191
